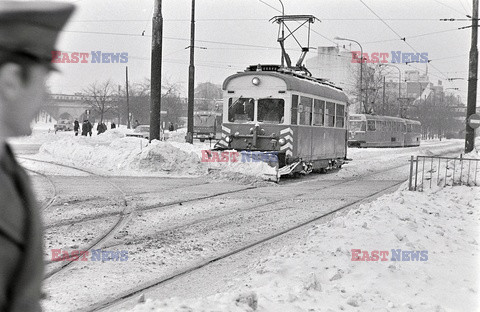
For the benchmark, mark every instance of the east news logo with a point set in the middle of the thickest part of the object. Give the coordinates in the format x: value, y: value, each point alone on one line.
x: 396, y: 255
x: 93, y: 57
x: 96, y: 255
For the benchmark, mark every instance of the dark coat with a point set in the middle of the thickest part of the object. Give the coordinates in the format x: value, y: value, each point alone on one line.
x: 21, y: 254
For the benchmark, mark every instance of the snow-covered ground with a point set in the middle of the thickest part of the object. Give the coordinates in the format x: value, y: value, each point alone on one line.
x: 319, y: 274
x: 406, y: 251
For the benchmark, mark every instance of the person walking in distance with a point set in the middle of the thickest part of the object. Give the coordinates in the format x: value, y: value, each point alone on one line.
x: 89, y: 127
x: 85, y: 127
x: 28, y: 32
x: 76, y: 126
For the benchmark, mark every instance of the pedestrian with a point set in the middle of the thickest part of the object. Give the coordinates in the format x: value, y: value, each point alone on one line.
x: 99, y: 128
x: 171, y: 127
x: 89, y: 127
x: 76, y: 126
x: 85, y: 127
x: 135, y: 124
x: 28, y: 31
x: 113, y: 125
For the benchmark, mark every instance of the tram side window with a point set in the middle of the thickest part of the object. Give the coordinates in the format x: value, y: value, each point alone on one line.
x: 306, y: 111
x: 330, y: 112
x: 371, y: 125
x: 340, y: 116
x: 294, y: 109
x: 240, y: 109
x: 271, y: 110
x: 380, y: 125
x: 318, y: 110
x: 356, y: 126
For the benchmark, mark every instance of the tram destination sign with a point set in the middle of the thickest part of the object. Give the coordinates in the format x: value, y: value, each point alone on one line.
x: 474, y: 121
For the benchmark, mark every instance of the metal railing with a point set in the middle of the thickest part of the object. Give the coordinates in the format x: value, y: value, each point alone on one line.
x: 428, y: 171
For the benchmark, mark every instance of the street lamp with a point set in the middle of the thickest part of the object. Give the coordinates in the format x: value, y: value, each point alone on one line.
x: 361, y: 68
x: 399, y: 84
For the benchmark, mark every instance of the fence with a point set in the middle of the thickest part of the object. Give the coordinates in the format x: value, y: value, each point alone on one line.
x: 426, y: 171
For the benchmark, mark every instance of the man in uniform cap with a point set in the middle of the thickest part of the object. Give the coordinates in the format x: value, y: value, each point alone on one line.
x: 28, y: 32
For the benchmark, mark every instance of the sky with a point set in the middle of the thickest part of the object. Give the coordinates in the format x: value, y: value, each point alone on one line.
x: 232, y: 34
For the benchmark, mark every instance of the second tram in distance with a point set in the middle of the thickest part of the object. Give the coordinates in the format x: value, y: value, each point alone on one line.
x: 383, y: 131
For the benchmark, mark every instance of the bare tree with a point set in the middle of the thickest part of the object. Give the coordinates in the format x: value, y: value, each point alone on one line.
x: 139, y: 102
x: 371, y: 94
x: 101, y: 97
x: 205, y: 95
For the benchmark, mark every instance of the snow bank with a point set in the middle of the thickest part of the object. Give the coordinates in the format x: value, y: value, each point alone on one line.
x: 320, y: 273
x: 113, y: 153
x: 122, y: 155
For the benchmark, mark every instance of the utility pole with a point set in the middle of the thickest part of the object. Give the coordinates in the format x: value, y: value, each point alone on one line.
x: 383, y: 101
x: 128, y: 101
x: 191, y: 79
x: 472, y: 81
x: 156, y: 72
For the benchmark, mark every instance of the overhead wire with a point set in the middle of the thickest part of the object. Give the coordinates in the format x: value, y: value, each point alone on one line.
x: 461, y: 3
x: 451, y: 8
x: 400, y: 37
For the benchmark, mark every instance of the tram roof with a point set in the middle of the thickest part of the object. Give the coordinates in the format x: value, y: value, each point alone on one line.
x: 380, y: 117
x: 297, y: 83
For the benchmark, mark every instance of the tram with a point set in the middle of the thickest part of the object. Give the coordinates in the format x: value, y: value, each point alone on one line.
x: 302, y: 119
x: 282, y: 110
x: 382, y: 131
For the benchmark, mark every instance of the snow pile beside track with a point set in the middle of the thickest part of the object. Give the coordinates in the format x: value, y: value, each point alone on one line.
x: 122, y: 155
x: 320, y: 273
x: 113, y: 153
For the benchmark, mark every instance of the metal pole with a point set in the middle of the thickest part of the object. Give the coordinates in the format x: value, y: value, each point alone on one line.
x: 156, y: 72
x: 383, y: 101
x: 399, y: 86
x: 472, y: 81
x: 411, y: 174
x: 361, y: 81
x: 283, y: 31
x: 128, y: 101
x: 361, y: 71
x: 191, y: 79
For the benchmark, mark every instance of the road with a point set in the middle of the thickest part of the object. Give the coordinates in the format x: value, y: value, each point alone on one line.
x: 171, y: 225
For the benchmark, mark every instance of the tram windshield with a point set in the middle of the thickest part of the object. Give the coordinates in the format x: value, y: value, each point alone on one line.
x: 240, y: 109
x: 271, y: 110
x: 357, y: 126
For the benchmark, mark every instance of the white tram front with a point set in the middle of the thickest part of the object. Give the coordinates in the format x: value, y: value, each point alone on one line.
x: 302, y: 119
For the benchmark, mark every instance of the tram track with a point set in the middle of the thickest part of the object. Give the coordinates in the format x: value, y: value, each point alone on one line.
x: 96, y: 244
x: 49, y: 202
x: 178, y: 274
x: 111, y: 302
x: 122, y: 216
x: 104, y: 238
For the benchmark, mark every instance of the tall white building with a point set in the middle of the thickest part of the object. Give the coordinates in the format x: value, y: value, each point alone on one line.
x: 335, y: 65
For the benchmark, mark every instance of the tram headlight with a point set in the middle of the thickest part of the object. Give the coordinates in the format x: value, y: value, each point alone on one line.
x: 229, y: 139
x: 282, y: 141
x: 256, y: 81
